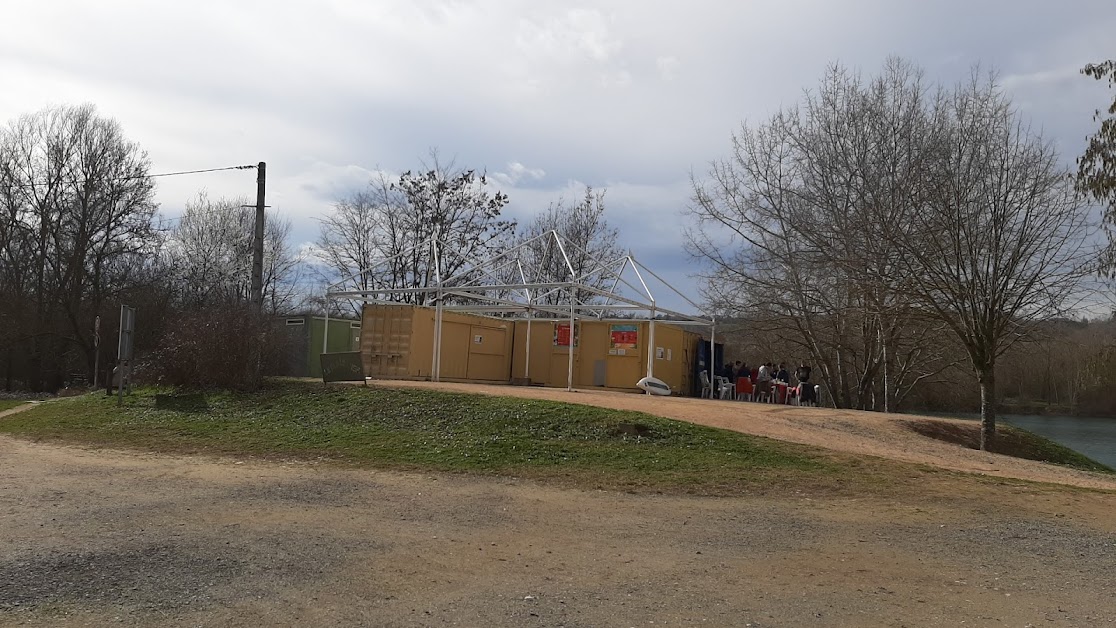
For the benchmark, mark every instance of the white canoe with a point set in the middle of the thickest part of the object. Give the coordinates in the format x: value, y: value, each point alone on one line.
x: 654, y: 385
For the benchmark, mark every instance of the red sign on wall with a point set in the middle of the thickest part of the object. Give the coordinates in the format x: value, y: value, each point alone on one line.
x: 623, y: 336
x: 562, y: 335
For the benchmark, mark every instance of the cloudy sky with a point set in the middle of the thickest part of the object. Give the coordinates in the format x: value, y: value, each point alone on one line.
x: 628, y: 96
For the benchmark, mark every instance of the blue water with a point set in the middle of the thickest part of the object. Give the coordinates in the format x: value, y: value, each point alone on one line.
x: 1093, y: 437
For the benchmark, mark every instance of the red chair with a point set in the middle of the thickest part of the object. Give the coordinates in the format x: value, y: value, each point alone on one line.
x: 744, y: 389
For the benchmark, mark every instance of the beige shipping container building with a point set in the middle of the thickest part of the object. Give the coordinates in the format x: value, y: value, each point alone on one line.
x: 607, y: 354
x: 397, y: 342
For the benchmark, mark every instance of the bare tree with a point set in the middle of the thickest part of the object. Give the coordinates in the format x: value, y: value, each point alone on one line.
x: 76, y: 210
x: 350, y: 242
x: 383, y: 235
x: 591, y: 246
x: 209, y: 255
x: 786, y: 228
x: 1001, y: 242
x: 875, y: 216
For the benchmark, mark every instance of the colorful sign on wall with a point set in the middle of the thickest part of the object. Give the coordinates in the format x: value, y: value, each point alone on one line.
x: 562, y: 335
x: 623, y: 336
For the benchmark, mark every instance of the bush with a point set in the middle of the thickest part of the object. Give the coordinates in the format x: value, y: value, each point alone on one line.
x: 221, y: 347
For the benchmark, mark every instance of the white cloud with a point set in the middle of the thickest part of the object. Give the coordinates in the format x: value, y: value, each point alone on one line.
x: 629, y: 95
x: 668, y: 67
x: 515, y: 173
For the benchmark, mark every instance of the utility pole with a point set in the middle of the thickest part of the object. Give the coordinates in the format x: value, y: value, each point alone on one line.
x: 258, y: 241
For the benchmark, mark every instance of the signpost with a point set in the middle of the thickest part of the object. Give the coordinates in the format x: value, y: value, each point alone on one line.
x: 124, y: 351
x: 96, y: 351
x: 343, y: 367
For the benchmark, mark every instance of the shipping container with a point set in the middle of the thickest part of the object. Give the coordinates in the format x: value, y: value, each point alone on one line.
x: 304, y: 335
x: 607, y: 354
x: 397, y: 342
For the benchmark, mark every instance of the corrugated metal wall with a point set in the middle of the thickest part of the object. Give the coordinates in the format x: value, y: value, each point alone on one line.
x: 385, y: 341
x: 601, y: 362
x: 397, y: 342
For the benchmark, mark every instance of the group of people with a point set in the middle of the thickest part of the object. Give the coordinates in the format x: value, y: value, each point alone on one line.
x: 763, y: 376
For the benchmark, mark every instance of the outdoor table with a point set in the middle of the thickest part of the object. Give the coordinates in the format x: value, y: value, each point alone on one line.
x: 780, y: 392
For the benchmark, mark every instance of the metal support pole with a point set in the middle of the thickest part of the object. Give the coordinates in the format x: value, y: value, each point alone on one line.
x: 96, y: 351
x: 712, y: 354
x: 437, y: 366
x: 437, y: 374
x: 325, y: 329
x: 569, y: 372
x: 651, y: 346
x: 527, y: 360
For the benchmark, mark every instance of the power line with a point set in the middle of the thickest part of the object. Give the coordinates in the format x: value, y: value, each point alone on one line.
x: 32, y: 184
x: 175, y: 174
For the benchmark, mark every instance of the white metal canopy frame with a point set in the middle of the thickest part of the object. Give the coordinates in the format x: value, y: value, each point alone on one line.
x: 506, y: 284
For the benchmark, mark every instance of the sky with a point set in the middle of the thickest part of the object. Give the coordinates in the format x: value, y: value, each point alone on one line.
x: 628, y: 96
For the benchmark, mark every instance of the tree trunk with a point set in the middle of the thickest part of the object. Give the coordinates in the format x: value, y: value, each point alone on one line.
x: 987, y: 409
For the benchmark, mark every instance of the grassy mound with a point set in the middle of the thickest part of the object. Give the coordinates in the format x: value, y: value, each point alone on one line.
x: 1010, y: 441
x: 396, y: 428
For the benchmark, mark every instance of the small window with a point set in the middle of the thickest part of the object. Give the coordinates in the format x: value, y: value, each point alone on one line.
x: 291, y: 322
x: 354, y: 325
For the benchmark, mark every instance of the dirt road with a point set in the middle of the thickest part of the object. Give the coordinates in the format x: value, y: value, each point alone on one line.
x: 92, y: 538
x: 97, y: 537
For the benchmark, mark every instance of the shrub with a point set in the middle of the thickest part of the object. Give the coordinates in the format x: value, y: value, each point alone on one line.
x: 219, y: 347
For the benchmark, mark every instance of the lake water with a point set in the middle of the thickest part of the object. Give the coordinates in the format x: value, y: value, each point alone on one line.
x: 1093, y: 437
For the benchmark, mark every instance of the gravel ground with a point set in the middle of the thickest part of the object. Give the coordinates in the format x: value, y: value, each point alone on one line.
x: 94, y: 537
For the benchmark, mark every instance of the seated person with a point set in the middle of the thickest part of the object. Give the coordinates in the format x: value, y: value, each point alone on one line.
x: 744, y: 372
x: 783, y: 375
x: 726, y: 372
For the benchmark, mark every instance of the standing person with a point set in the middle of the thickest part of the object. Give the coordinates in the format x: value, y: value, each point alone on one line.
x: 744, y: 372
x: 783, y: 376
x: 764, y: 379
x: 805, y: 389
x: 802, y: 373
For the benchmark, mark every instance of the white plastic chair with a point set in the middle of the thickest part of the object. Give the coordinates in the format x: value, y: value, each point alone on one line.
x: 725, y: 388
x: 706, y: 386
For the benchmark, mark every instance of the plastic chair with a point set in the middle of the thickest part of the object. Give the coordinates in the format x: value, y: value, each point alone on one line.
x: 763, y: 391
x: 706, y: 386
x: 744, y: 390
x: 725, y: 388
x: 808, y: 395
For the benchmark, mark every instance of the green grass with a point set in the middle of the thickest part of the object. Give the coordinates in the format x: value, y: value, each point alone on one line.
x: 1035, y: 447
x: 8, y: 404
x: 1010, y: 441
x: 415, y: 429
x: 398, y: 428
